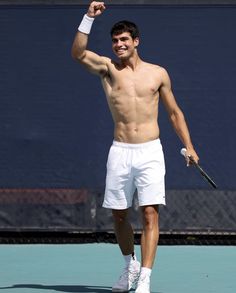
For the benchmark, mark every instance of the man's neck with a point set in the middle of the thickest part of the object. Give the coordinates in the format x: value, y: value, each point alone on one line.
x: 132, y: 62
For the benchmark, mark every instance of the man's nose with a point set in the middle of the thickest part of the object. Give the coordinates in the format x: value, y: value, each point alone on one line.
x: 119, y: 43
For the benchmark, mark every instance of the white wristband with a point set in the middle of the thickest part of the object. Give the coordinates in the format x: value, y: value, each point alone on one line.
x: 86, y: 24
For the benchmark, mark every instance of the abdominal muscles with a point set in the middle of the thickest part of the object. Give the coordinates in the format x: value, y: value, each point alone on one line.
x: 135, y: 117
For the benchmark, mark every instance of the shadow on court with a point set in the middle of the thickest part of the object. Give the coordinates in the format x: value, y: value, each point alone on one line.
x: 63, y: 288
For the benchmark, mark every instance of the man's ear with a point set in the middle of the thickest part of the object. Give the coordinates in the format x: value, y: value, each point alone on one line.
x: 136, y: 42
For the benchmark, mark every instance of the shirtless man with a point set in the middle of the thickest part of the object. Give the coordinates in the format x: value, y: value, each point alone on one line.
x: 133, y: 89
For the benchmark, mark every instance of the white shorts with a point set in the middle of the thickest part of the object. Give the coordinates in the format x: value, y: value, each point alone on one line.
x: 135, y: 166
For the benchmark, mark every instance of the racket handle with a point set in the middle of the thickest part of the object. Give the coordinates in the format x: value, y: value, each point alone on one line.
x: 203, y: 173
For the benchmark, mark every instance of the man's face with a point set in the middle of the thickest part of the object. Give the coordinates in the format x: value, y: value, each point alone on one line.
x: 123, y: 45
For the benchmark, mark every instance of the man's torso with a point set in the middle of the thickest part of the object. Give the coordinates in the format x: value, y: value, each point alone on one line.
x: 133, y: 97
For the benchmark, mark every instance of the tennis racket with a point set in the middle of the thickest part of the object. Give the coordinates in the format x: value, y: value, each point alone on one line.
x: 202, y: 172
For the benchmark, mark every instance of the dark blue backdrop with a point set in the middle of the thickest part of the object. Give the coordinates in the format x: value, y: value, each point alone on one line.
x: 55, y: 126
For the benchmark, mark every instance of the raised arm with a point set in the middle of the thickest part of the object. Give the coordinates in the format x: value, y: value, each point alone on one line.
x: 92, y: 61
x: 176, y: 115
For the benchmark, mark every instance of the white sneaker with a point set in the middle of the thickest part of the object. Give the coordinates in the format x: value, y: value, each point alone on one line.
x: 143, y: 285
x: 128, y: 279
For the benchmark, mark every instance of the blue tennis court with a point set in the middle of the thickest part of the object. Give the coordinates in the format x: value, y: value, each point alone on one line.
x: 94, y: 267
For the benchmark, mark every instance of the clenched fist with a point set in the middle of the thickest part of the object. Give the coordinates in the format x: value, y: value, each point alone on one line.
x: 96, y: 8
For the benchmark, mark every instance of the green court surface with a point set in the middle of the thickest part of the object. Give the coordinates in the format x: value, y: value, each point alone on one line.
x: 92, y: 268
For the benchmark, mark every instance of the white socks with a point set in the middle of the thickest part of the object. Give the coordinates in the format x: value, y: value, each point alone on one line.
x: 129, y: 258
x: 145, y: 272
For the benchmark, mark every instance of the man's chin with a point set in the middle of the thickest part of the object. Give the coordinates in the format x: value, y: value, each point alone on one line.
x: 122, y: 56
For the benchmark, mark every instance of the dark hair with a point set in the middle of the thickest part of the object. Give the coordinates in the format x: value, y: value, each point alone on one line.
x: 125, y: 26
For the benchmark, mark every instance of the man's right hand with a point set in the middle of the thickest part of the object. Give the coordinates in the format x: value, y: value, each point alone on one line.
x: 96, y: 9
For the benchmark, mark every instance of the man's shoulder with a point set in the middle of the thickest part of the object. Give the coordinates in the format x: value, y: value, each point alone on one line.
x: 106, y: 59
x: 156, y: 67
x: 114, y: 65
x: 157, y: 70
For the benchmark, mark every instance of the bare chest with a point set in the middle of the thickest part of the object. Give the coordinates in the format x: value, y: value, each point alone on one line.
x: 134, y: 85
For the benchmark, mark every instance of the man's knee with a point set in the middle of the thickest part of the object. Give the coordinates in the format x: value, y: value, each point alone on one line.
x: 120, y: 216
x: 150, y: 216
